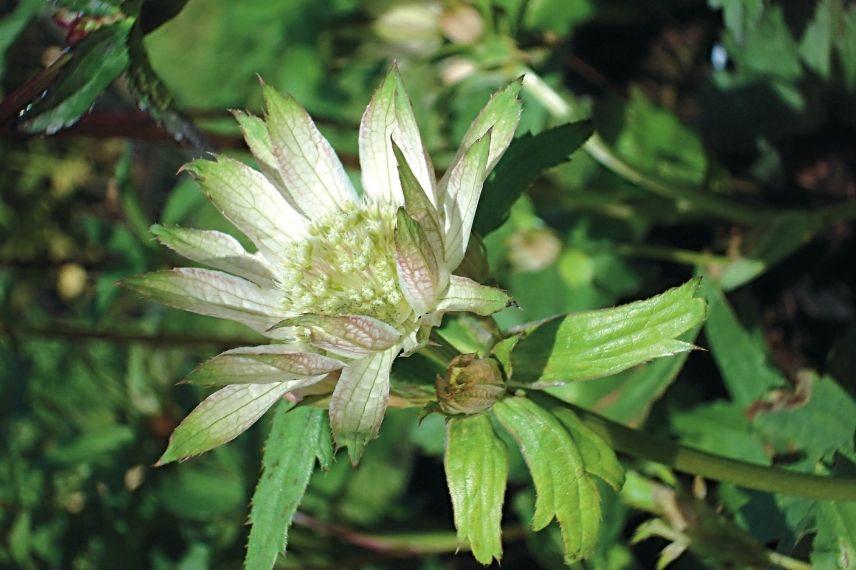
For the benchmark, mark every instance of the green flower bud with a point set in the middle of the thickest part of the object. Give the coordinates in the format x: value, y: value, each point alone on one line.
x: 471, y: 385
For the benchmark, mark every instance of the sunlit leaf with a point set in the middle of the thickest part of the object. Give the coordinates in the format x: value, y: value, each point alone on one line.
x: 476, y: 465
x: 289, y: 459
x: 834, y: 547
x: 598, y: 343
x: 564, y: 489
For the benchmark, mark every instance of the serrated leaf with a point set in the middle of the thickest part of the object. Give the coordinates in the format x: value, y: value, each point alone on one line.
x: 324, y: 451
x: 745, y: 372
x: 151, y: 94
x: 627, y: 397
x: 291, y: 448
x: 564, y: 490
x: 768, y: 245
x: 599, y: 459
x: 594, y: 344
x: 220, y: 418
x: 817, y: 417
x: 834, y: 547
x: 526, y: 158
x: 476, y: 464
x: 97, y: 60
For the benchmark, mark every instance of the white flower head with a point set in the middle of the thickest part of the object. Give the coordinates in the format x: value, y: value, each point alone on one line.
x: 341, y: 283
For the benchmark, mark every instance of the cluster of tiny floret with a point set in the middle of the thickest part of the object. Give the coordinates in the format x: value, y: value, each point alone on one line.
x: 346, y: 266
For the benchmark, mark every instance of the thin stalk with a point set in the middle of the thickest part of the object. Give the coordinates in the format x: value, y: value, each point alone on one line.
x: 688, y: 460
x: 685, y: 196
x: 415, y: 543
x: 123, y: 337
x: 31, y: 89
x: 674, y: 255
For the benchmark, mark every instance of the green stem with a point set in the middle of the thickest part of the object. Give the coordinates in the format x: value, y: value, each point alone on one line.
x: 685, y: 196
x: 674, y: 255
x: 787, y: 562
x: 415, y: 543
x: 688, y: 460
x: 123, y: 337
x: 621, y: 438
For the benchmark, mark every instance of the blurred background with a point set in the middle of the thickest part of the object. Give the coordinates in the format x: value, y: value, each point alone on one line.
x: 725, y: 146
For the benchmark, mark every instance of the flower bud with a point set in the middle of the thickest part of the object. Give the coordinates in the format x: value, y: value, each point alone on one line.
x: 471, y: 385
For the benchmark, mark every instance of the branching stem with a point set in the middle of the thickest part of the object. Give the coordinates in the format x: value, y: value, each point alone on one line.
x: 642, y: 445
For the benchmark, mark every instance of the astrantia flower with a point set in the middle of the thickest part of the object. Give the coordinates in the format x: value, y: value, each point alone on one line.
x: 342, y: 283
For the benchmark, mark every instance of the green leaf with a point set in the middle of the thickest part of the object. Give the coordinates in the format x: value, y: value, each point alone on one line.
x: 834, y: 547
x: 593, y: 344
x: 220, y: 418
x: 151, y: 94
x: 740, y: 15
x: 390, y: 459
x: 845, y: 44
x: 289, y: 458
x: 93, y: 8
x: 816, y: 43
x: 720, y: 428
x: 598, y: 457
x: 202, y: 494
x: 476, y: 464
x: 745, y: 372
x: 526, y: 158
x: 13, y: 24
x: 817, y: 418
x: 557, y: 16
x: 97, y: 60
x: 769, y: 245
x: 769, y: 48
x: 628, y: 396
x: 563, y: 488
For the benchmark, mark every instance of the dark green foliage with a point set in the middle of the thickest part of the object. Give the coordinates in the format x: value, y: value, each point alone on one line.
x: 702, y: 139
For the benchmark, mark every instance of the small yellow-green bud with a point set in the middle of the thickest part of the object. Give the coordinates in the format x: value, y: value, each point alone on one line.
x: 471, y: 385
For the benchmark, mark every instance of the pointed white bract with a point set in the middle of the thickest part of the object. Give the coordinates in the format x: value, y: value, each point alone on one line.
x: 389, y: 119
x: 311, y: 171
x: 217, y: 250
x: 343, y: 283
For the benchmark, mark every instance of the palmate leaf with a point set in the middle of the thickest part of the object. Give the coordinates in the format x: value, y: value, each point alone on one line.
x: 297, y: 437
x: 565, y: 491
x: 594, y: 344
x: 476, y: 464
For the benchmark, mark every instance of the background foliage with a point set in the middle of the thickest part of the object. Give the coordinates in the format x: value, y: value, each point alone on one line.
x: 724, y: 146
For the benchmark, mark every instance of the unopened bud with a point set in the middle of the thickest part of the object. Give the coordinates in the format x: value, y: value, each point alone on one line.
x: 470, y: 385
